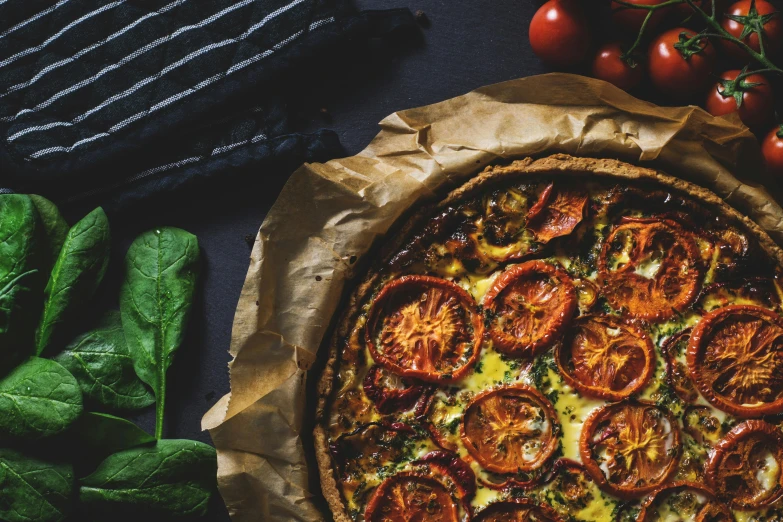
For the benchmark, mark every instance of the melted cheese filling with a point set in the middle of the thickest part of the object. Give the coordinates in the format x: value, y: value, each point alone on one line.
x: 493, y: 369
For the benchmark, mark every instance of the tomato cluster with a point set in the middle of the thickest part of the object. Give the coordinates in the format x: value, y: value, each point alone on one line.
x: 675, y: 55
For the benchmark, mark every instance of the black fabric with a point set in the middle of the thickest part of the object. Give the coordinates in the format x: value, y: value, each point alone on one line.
x: 132, y: 97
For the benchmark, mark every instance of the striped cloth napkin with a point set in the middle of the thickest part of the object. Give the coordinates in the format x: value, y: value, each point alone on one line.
x: 132, y: 97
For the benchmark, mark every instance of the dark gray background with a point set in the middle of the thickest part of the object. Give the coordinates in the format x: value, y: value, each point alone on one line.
x: 468, y: 44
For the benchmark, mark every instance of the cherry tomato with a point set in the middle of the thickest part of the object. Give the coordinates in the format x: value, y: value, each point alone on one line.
x: 735, y: 355
x: 755, y: 91
x: 531, y: 304
x: 766, y: 14
x: 559, y: 33
x: 609, y: 67
x: 772, y: 148
x: 671, y: 72
x: 630, y: 20
x: 424, y: 327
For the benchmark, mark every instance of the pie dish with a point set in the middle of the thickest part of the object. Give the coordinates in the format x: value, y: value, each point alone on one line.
x: 560, y: 339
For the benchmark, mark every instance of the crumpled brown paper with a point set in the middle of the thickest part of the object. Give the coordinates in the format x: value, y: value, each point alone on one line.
x: 328, y: 215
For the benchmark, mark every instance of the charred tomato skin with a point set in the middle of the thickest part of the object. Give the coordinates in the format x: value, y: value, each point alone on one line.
x: 390, y: 400
x: 474, y: 441
x: 699, y: 364
x: 719, y: 510
x: 677, y: 375
x: 439, y: 505
x: 428, y: 289
x: 605, y: 413
x: 604, y: 366
x: 500, y: 511
x: 720, y: 462
x: 500, y: 298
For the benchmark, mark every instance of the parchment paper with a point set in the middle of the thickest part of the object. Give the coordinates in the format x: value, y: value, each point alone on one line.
x: 329, y: 215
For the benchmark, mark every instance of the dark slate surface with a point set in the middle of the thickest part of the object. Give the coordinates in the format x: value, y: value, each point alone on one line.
x: 466, y: 46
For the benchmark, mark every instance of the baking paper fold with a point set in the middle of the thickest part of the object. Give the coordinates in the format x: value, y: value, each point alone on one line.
x: 310, y: 245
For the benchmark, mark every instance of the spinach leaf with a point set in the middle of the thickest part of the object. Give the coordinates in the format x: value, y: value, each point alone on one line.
x: 54, y: 225
x: 33, y: 490
x: 76, y: 274
x: 155, y: 301
x: 103, y: 434
x: 37, y: 399
x: 173, y: 479
x: 104, y: 369
x: 20, y: 280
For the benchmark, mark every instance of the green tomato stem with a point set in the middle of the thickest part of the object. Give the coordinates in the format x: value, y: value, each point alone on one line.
x: 160, y: 407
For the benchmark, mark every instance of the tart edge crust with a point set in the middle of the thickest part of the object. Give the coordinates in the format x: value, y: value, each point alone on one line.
x: 557, y: 164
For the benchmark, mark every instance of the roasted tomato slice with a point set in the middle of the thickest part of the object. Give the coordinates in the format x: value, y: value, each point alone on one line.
x: 407, y: 497
x: 630, y: 449
x: 369, y: 447
x: 606, y: 358
x: 684, y: 501
x: 425, y: 328
x: 510, y: 429
x: 650, y: 268
x: 446, y: 464
x: 674, y: 348
x: 390, y: 392
x: 521, y: 510
x: 702, y: 425
x: 746, y: 466
x: 530, y: 305
x: 556, y: 213
x: 735, y: 357
x: 758, y: 291
x: 442, y: 418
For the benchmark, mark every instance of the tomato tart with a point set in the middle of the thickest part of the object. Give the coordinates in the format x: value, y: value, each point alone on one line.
x: 560, y: 339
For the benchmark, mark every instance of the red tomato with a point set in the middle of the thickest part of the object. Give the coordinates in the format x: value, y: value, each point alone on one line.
x: 772, y: 149
x: 672, y: 73
x: 758, y: 102
x: 682, y: 11
x: 608, y: 66
x: 765, y: 13
x: 630, y: 20
x: 559, y: 33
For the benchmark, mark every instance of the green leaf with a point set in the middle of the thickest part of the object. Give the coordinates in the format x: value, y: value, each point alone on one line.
x: 20, y: 280
x: 155, y: 301
x: 76, y: 275
x: 54, y: 225
x: 106, y: 434
x: 33, y: 490
x: 38, y: 399
x: 102, y: 365
x: 172, y: 479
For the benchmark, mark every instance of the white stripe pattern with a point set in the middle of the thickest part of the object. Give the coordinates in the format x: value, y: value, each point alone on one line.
x: 49, y: 68
x: 33, y: 18
x: 129, y: 58
x: 150, y: 79
x: 183, y: 94
x: 168, y: 166
x: 59, y: 33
